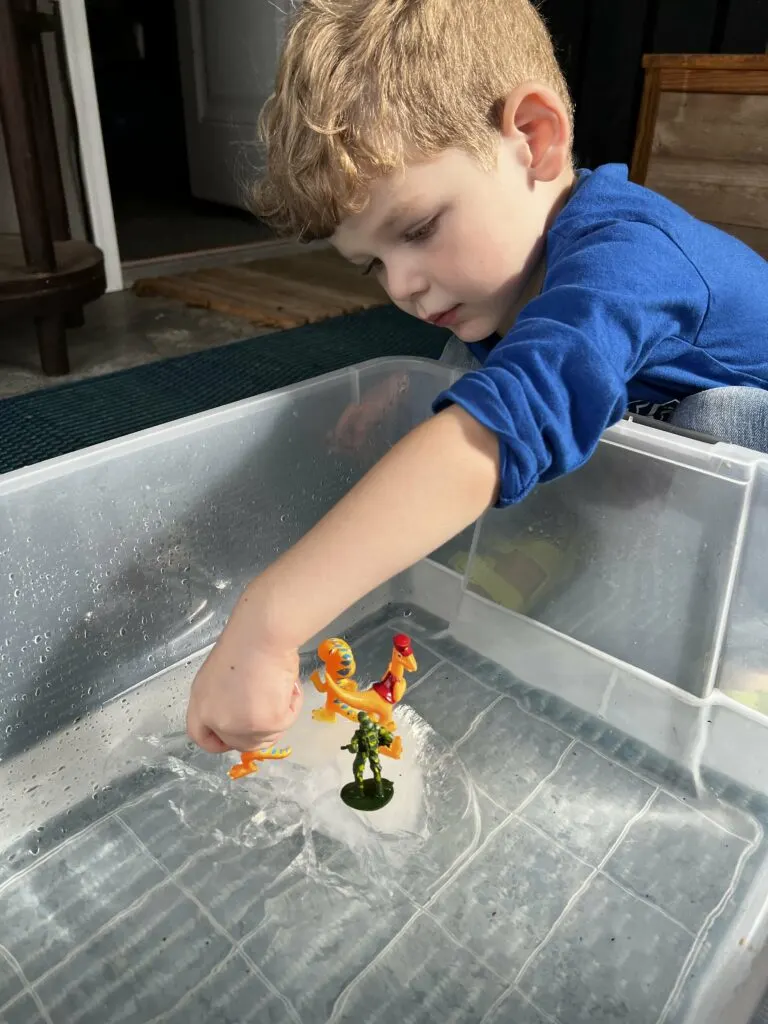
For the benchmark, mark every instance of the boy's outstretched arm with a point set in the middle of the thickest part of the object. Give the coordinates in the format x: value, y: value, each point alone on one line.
x: 436, y: 481
x: 432, y: 484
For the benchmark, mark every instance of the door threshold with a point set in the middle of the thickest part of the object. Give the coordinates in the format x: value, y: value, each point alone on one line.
x: 179, y: 263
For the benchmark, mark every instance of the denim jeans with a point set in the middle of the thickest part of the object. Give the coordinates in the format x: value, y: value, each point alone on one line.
x: 736, y: 415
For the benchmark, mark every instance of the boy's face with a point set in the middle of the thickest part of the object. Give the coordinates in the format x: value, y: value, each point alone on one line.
x: 452, y: 242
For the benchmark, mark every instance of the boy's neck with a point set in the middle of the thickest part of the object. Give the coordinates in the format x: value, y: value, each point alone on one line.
x: 534, y: 279
x: 531, y: 288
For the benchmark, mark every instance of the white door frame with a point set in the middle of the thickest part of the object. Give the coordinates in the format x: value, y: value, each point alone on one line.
x: 98, y: 194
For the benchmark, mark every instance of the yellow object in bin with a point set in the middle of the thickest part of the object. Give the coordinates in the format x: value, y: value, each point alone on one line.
x: 518, y: 572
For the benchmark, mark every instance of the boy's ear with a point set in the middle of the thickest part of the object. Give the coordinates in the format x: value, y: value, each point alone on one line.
x: 535, y: 116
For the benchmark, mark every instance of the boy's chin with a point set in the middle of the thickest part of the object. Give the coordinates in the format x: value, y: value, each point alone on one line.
x: 473, y: 330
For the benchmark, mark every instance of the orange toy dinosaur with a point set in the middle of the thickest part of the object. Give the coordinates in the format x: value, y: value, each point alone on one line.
x: 343, y: 697
x: 250, y: 760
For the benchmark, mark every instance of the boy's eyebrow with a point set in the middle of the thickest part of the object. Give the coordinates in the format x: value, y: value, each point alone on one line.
x: 400, y: 212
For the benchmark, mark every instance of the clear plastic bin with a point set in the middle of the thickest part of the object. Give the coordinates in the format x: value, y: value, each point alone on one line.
x: 578, y: 832
x: 126, y: 558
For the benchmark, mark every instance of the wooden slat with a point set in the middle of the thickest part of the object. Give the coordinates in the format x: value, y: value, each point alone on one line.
x: 694, y: 126
x: 293, y: 290
x: 309, y: 303
x: 201, y: 297
x: 336, y: 275
x: 708, y: 61
x: 208, y: 297
x: 729, y: 192
x: 298, y: 308
x: 745, y: 82
x: 646, y: 127
x: 309, y: 296
x: 285, y: 292
x: 755, y: 238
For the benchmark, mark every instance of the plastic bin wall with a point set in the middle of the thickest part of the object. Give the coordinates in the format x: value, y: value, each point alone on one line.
x: 638, y: 554
x: 650, y: 596
x: 123, y: 559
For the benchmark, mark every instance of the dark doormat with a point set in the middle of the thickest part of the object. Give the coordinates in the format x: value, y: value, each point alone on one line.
x: 62, y: 419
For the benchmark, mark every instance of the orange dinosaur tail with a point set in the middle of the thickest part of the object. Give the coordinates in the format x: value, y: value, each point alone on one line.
x: 337, y: 656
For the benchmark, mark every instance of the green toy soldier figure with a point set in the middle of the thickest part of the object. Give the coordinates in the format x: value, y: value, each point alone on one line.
x: 368, y: 794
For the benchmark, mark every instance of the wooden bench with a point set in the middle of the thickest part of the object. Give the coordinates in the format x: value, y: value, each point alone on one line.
x: 702, y: 139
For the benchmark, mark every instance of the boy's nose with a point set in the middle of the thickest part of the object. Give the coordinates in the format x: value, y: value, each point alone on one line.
x: 404, y: 285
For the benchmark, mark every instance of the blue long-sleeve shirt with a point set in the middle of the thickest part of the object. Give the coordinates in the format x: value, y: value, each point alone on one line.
x: 640, y: 302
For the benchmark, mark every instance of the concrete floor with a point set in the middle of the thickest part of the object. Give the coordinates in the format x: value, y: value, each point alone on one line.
x: 121, y: 330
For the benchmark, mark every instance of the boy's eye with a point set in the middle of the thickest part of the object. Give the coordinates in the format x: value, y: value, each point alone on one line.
x: 423, y: 231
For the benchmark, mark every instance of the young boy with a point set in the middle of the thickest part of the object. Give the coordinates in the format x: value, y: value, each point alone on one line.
x: 430, y: 140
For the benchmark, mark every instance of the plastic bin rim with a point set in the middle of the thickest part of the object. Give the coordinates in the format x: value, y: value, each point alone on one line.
x: 92, y: 454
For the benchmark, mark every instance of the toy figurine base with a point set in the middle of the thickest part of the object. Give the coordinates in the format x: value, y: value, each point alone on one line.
x: 369, y: 799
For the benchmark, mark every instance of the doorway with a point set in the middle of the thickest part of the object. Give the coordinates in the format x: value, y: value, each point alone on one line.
x: 135, y: 53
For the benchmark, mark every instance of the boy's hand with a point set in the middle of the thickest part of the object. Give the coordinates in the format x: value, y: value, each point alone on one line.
x: 359, y: 419
x: 245, y: 695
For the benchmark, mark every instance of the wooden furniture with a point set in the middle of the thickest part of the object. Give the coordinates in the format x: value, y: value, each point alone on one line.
x: 702, y: 139
x: 44, y: 274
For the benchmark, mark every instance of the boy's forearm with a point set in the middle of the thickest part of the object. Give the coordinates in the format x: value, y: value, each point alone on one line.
x: 429, y: 487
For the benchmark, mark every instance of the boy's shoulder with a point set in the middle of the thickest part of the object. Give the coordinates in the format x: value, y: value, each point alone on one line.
x: 607, y: 195
x: 606, y: 200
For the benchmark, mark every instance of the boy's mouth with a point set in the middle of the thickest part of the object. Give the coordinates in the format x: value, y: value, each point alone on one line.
x: 447, y: 318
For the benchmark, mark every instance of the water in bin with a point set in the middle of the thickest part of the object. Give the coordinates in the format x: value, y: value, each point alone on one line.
x: 537, y: 864
x: 533, y: 861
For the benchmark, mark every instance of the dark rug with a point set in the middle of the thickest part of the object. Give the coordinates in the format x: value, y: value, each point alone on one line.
x: 67, y: 417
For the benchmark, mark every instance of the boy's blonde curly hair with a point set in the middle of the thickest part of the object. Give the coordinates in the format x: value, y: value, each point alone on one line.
x: 364, y: 85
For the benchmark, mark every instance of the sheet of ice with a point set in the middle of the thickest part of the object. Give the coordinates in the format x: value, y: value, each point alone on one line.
x: 145, y: 727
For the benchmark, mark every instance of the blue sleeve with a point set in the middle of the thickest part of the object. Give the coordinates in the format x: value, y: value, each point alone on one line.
x: 559, y: 378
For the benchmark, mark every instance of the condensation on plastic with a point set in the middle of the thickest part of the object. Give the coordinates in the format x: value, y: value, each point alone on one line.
x: 124, y: 559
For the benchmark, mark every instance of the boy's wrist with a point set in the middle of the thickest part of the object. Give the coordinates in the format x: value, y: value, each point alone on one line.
x: 267, y: 624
